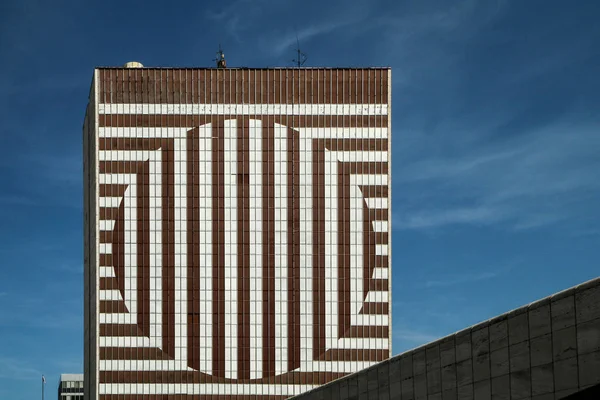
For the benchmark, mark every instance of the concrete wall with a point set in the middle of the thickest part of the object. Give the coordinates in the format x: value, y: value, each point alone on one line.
x: 546, y: 350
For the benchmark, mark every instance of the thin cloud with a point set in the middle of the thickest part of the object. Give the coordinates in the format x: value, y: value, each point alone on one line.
x: 11, y: 368
x: 413, y: 337
x: 460, y: 280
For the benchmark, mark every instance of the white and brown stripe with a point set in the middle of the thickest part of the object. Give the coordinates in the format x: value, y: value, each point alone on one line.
x: 244, y: 248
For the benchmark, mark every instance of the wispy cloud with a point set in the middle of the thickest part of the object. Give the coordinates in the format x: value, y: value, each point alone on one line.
x: 413, y: 337
x: 462, y: 279
x: 14, y: 369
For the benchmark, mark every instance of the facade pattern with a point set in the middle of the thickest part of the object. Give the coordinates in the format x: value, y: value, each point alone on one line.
x: 241, y: 225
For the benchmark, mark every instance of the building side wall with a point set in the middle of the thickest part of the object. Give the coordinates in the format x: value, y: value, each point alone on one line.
x: 546, y: 350
x: 243, y: 242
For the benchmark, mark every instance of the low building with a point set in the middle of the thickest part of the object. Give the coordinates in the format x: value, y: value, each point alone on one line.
x: 70, y: 387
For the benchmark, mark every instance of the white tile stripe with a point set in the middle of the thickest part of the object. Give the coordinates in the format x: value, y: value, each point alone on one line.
x: 105, y: 248
x: 115, y: 179
x: 281, y: 249
x: 381, y: 249
x: 374, y: 296
x: 245, y: 109
x: 180, y: 200
x: 199, y: 388
x: 331, y: 249
x: 230, y: 247
x: 370, y: 320
x: 380, y: 273
x: 155, y: 204
x: 313, y: 133
x: 256, y: 264
x: 110, y: 295
x: 306, y: 252
x: 107, y: 272
x: 124, y: 341
x: 369, y: 179
x: 106, y: 224
x: 356, y: 251
x: 124, y: 155
x: 362, y: 156
x: 204, y: 176
x: 130, y: 241
x: 380, y: 226
x: 377, y: 202
x: 363, y: 343
x: 109, y: 201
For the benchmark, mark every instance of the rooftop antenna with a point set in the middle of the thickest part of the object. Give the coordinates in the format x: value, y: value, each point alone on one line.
x: 300, y: 57
x: 220, y: 60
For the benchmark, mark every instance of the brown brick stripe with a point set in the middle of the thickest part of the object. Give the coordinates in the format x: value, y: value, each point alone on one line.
x: 132, y: 353
x: 319, y: 327
x: 344, y: 248
x: 188, y: 121
x: 243, y: 248
x: 264, y: 86
x: 293, y: 240
x: 371, y: 355
x: 188, y: 396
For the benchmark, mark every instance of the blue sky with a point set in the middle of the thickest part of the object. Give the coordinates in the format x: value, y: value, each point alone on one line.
x: 496, y: 147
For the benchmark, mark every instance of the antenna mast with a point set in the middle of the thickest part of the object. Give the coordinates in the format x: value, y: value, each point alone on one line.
x: 220, y: 60
x: 300, y: 56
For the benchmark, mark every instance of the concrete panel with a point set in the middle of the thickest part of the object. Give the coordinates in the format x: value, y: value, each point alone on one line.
x: 480, y: 341
x: 433, y: 357
x: 499, y: 362
x: 518, y: 328
x: 420, y: 382
x: 481, y: 367
x: 465, y: 392
x: 408, y: 389
x: 450, y: 394
x: 449, y: 377
x: 419, y: 363
x: 434, y: 381
x: 542, y: 379
x: 498, y: 334
x: 519, y: 357
x: 406, y: 366
x: 588, y: 336
x: 587, y: 304
x: 539, y: 321
x: 447, y: 352
x: 482, y: 390
x: 564, y: 343
x: 396, y: 390
x: 589, y: 369
x: 436, y: 396
x: 541, y: 350
x: 548, y: 396
x: 520, y: 384
x: 501, y: 388
x: 463, y: 346
x: 565, y: 374
x: 563, y: 313
x: 464, y: 372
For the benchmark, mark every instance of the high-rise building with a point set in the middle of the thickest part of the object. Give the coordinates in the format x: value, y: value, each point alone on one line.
x: 70, y: 387
x: 237, y: 229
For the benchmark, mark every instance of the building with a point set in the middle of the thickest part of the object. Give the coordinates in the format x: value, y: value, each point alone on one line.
x: 70, y: 387
x: 237, y: 225
x: 546, y: 350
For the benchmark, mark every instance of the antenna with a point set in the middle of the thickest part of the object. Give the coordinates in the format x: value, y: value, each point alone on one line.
x: 220, y: 60
x: 300, y: 57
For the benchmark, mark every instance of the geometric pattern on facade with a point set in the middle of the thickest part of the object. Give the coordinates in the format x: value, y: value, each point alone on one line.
x: 241, y: 253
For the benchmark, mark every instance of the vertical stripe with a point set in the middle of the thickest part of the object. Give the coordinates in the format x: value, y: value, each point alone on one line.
x: 268, y: 239
x: 344, y: 249
x: 331, y: 248
x: 281, y: 248
x: 243, y: 255
x: 218, y: 253
x: 144, y: 249
x: 129, y: 239
x: 155, y: 250
x: 230, y: 246
x: 203, y: 171
x: 168, y: 247
x: 180, y: 247
x: 293, y: 236
x: 357, y: 250
x: 194, y: 246
x: 255, y: 237
x: 306, y: 250
x: 319, y: 248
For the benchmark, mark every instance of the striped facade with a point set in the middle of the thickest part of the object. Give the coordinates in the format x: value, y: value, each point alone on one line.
x: 237, y: 230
